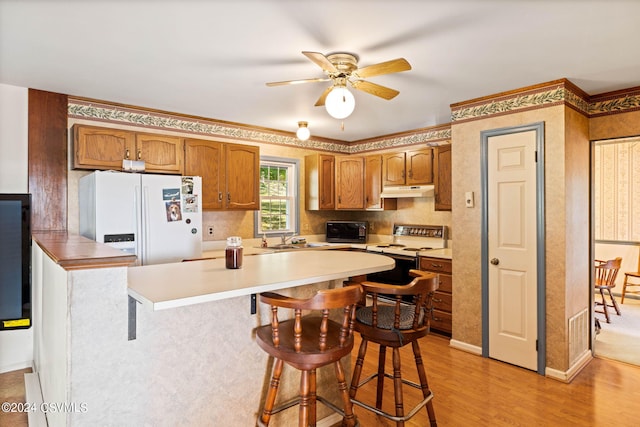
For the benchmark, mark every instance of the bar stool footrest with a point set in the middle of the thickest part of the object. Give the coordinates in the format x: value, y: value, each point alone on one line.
x: 387, y: 415
x: 296, y: 401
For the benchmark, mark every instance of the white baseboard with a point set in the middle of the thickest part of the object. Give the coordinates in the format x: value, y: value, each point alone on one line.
x: 567, y: 376
x: 469, y: 348
x: 16, y: 366
x: 330, y: 420
x: 34, y: 396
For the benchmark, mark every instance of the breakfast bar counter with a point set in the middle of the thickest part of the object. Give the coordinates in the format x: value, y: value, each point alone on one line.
x: 156, y: 287
x: 194, y: 359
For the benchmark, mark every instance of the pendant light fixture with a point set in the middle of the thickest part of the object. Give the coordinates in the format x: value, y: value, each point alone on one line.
x: 340, y: 102
x: 303, y: 132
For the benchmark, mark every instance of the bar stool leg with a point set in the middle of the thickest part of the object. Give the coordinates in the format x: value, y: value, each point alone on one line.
x: 273, y: 390
x: 397, y: 385
x: 303, y: 418
x: 380, y: 386
x: 357, y: 370
x: 349, y: 419
x: 312, y: 398
x: 424, y: 385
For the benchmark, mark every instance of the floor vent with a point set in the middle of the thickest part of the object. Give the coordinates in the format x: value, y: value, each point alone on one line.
x: 578, y: 335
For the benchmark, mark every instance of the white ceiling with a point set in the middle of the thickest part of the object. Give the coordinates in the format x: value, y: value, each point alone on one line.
x: 213, y: 58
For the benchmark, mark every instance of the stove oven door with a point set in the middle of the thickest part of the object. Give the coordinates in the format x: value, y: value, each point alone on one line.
x: 399, y: 275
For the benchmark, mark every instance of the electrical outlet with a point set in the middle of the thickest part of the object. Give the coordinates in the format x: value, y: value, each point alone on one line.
x: 305, y: 227
x: 372, y: 226
x: 210, y: 230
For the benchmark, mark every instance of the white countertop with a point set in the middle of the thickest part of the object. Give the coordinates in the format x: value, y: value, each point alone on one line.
x: 165, y: 286
x: 437, y: 253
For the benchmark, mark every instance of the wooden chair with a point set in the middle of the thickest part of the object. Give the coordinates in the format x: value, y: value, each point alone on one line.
x: 635, y: 277
x: 307, y: 343
x: 605, y: 280
x: 395, y: 325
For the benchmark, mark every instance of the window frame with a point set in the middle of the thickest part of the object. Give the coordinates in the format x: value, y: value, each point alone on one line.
x: 294, y: 178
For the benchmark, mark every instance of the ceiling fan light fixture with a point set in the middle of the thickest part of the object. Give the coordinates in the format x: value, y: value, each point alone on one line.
x: 303, y: 133
x: 340, y: 102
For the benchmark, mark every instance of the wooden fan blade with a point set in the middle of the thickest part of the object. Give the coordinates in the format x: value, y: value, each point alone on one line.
x: 393, y: 66
x: 295, y: 82
x: 375, y: 89
x: 321, y: 60
x: 320, y: 101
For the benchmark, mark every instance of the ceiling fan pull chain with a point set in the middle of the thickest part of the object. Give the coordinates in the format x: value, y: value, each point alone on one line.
x: 342, y: 126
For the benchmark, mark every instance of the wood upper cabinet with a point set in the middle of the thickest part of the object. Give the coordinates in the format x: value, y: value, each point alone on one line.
x: 419, y: 164
x: 105, y: 148
x: 206, y: 159
x: 373, y: 185
x: 242, y: 176
x: 349, y: 182
x: 442, y: 179
x: 320, y: 182
x: 161, y: 153
x: 414, y: 167
x: 230, y: 173
x: 102, y: 148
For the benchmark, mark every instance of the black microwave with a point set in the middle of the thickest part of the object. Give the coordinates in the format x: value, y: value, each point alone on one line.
x: 346, y: 232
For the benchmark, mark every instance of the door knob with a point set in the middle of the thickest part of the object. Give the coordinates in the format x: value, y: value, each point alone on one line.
x: 495, y: 261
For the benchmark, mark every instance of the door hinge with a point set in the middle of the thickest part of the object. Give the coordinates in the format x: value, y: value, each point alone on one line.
x: 536, y: 345
x: 536, y: 156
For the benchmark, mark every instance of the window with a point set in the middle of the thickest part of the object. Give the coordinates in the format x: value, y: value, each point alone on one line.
x: 279, y: 201
x: 616, y: 190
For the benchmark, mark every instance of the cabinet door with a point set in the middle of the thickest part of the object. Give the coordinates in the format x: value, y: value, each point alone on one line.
x: 243, y: 176
x: 350, y: 182
x: 419, y: 167
x: 393, y: 169
x: 161, y: 153
x: 101, y: 148
x: 442, y: 180
x: 206, y: 159
x: 319, y: 172
x: 373, y: 182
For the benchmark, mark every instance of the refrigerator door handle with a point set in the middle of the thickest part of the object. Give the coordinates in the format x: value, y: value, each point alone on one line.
x: 145, y: 225
x: 137, y: 207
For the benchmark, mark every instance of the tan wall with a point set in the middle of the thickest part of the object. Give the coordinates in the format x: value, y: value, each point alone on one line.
x: 614, y: 126
x: 566, y: 218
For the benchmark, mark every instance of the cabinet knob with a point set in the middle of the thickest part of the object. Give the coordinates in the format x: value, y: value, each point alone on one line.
x: 220, y: 196
x: 126, y: 154
x: 139, y: 154
x: 410, y: 173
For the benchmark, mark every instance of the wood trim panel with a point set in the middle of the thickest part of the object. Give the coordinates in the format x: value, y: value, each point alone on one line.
x: 48, y: 160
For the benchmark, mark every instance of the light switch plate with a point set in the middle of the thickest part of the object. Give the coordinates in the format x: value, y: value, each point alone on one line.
x: 468, y: 199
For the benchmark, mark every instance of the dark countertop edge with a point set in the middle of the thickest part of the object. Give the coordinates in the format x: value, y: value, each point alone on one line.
x: 75, y: 252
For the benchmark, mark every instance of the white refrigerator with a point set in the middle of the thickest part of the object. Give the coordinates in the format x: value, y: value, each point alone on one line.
x: 156, y: 217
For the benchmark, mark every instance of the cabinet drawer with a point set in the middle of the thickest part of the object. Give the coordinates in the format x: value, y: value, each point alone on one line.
x: 437, y: 265
x: 442, y: 301
x: 441, y: 321
x: 444, y: 283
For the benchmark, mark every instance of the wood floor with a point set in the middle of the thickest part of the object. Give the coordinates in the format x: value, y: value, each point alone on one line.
x: 12, y: 391
x: 473, y: 391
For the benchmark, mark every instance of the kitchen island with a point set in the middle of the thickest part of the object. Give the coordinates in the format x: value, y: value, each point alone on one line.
x: 194, y: 360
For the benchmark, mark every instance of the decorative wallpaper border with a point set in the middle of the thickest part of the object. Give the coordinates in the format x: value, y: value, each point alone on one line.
x: 128, y: 116
x: 538, y: 98
x: 615, y: 103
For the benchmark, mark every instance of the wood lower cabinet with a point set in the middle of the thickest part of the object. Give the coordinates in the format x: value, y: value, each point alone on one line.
x: 443, y: 298
x: 320, y: 188
x: 105, y: 148
x: 442, y: 177
x: 349, y: 182
x: 230, y: 173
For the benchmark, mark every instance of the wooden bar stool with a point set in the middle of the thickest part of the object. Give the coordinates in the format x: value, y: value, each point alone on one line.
x: 307, y: 343
x: 395, y: 325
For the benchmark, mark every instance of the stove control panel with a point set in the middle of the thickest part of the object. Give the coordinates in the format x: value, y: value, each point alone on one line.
x: 413, y: 230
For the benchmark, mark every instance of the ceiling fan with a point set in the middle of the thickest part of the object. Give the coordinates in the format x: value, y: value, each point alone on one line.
x: 342, y: 68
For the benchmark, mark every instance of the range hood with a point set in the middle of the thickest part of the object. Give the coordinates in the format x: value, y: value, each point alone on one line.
x: 393, y: 192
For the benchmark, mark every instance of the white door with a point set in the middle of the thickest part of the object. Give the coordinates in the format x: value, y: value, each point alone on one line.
x: 512, y: 248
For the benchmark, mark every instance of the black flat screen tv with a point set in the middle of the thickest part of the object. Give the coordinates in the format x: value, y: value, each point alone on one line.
x: 15, y: 261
